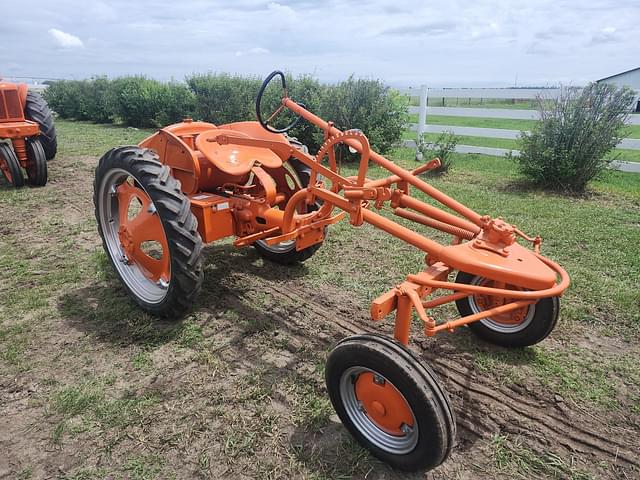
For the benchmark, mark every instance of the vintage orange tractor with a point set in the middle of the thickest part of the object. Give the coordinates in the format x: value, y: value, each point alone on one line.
x: 195, y: 182
x: 27, y: 135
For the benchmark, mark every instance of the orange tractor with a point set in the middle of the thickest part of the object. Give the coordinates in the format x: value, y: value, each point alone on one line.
x: 27, y: 135
x: 193, y: 183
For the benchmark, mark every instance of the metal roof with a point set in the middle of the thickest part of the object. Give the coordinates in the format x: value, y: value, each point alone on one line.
x: 618, y: 74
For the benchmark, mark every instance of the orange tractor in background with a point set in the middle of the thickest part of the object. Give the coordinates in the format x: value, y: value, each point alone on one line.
x: 194, y: 183
x: 27, y: 135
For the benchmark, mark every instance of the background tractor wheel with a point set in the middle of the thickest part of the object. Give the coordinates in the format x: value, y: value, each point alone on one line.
x: 10, y: 165
x: 37, y: 163
x: 285, y: 253
x: 390, y: 401
x: 37, y: 110
x: 148, y: 230
x: 520, y: 328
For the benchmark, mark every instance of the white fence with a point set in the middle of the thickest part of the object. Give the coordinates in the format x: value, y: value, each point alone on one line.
x: 424, y: 111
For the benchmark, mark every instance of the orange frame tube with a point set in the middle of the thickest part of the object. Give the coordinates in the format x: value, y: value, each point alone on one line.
x: 359, y: 191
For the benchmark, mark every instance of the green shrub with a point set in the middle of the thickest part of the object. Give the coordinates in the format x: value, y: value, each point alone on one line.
x: 381, y: 113
x: 96, y: 106
x: 142, y: 102
x: 568, y: 146
x: 175, y: 102
x: 64, y: 97
x: 223, y: 98
x: 133, y: 100
x: 442, y: 147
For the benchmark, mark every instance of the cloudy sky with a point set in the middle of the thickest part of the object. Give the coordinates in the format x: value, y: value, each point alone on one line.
x: 440, y: 43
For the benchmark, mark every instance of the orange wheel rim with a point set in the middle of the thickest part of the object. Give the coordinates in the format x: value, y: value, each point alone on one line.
x: 485, y: 302
x: 144, y: 226
x: 383, y: 403
x: 6, y: 171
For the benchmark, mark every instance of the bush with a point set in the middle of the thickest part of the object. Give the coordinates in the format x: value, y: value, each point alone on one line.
x: 381, y: 113
x: 568, y: 146
x: 221, y: 98
x: 442, y: 147
x: 95, y: 104
x: 142, y: 102
x: 64, y: 97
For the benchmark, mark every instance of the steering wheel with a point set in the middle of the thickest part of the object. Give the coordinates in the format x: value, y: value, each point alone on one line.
x: 265, y: 123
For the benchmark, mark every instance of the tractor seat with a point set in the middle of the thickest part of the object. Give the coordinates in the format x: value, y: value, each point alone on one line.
x: 231, y: 158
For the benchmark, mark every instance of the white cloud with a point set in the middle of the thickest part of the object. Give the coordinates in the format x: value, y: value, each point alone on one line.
x: 252, y: 51
x: 282, y: 10
x: 64, y: 39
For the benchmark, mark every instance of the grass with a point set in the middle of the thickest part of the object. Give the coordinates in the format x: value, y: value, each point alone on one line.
x: 86, y: 138
x: 510, y: 144
x: 514, y: 459
x: 504, y: 123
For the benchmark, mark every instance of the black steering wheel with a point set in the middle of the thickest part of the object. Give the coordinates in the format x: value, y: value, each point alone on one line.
x: 265, y: 123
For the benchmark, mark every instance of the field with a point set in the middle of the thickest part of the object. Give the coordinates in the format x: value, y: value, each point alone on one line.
x: 91, y: 388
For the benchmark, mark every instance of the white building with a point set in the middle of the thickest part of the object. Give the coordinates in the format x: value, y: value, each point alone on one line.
x: 630, y: 78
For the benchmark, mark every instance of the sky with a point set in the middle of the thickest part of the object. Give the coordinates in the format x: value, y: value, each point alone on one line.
x: 404, y: 43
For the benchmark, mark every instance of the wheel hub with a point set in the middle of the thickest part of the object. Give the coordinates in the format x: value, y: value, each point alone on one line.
x: 486, y: 302
x: 126, y: 240
x: 385, y: 406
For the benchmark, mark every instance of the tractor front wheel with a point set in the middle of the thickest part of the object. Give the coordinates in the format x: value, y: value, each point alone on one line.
x: 36, y: 163
x: 10, y: 166
x: 519, y: 328
x: 148, y: 230
x: 391, y: 402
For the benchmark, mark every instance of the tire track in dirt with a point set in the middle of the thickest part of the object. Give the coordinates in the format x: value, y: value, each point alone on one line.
x: 482, y: 408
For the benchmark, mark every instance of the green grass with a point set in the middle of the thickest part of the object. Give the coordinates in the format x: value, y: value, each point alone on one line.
x: 504, y: 123
x: 86, y: 138
x: 509, y: 144
x: 515, y: 459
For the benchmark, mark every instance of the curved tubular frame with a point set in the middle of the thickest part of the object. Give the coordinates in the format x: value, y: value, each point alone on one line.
x: 355, y: 195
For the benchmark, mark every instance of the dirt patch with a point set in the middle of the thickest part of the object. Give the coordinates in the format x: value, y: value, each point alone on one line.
x: 236, y: 390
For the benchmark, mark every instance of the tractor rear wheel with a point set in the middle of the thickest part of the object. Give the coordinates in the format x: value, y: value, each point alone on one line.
x: 36, y: 163
x: 520, y: 328
x: 148, y: 230
x: 285, y: 253
x: 390, y: 401
x: 37, y: 110
x: 10, y: 165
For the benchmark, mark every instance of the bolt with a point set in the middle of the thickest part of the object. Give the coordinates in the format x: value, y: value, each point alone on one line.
x: 361, y: 407
x: 151, y: 209
x: 124, y: 259
x: 378, y: 379
x: 163, y: 283
x: 113, y: 191
x: 406, y: 429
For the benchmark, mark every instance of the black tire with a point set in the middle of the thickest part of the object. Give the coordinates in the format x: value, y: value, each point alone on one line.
x: 37, y: 163
x: 428, y: 442
x: 178, y: 223
x: 37, y: 110
x: 534, y: 328
x: 289, y: 255
x: 10, y: 166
